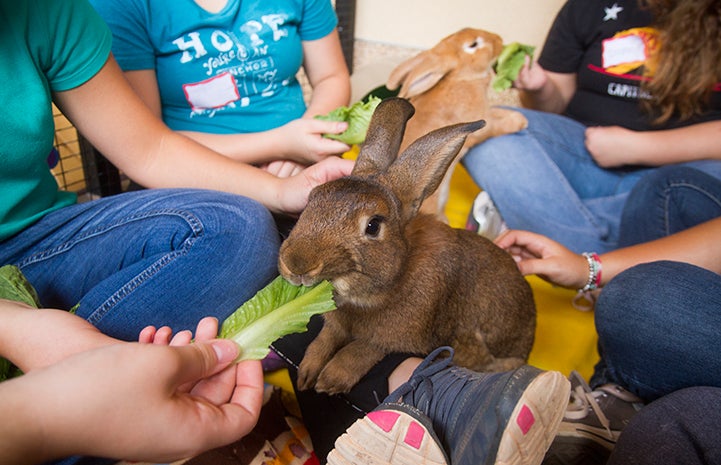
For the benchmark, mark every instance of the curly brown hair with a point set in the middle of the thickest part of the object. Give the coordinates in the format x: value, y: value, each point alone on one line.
x: 688, y: 65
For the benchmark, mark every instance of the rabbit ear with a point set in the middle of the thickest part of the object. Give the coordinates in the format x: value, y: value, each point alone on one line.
x: 418, y: 74
x: 419, y: 170
x: 384, y: 136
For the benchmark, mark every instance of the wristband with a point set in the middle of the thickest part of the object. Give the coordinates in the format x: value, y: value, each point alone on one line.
x: 594, y: 272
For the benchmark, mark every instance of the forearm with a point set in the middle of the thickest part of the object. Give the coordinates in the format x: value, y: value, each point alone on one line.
x: 34, y: 338
x: 329, y: 94
x: 548, y: 92
x: 21, y: 436
x: 695, y: 142
x: 190, y: 168
x: 253, y: 148
x: 698, y: 246
x: 546, y: 99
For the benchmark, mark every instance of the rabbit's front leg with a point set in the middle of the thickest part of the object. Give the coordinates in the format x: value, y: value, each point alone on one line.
x: 330, y: 338
x: 347, y: 367
x: 499, y: 121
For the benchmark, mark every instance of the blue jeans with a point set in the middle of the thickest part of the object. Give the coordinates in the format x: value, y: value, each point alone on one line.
x: 151, y: 257
x: 543, y: 179
x: 658, y: 323
x: 658, y: 329
x: 679, y: 429
x: 668, y: 200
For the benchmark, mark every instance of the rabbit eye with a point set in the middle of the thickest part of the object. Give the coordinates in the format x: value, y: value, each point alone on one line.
x: 474, y: 45
x: 374, y: 226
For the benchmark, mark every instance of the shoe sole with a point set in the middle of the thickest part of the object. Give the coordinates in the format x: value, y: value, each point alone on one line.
x: 392, y: 435
x: 534, y: 421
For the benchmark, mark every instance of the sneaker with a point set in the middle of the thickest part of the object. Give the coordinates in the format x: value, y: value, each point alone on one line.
x: 464, y: 417
x: 393, y: 433
x: 485, y: 219
x: 592, y: 423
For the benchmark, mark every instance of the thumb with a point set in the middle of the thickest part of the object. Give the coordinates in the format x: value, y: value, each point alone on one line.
x: 204, y: 359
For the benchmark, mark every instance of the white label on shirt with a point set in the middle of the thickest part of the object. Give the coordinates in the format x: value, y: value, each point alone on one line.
x: 621, y: 50
x: 215, y: 92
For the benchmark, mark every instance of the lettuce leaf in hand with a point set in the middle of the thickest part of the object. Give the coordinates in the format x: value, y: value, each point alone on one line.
x: 509, y: 64
x: 358, y: 117
x: 278, y: 309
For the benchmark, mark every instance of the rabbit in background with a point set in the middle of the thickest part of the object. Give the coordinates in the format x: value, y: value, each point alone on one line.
x: 448, y: 84
x: 404, y: 282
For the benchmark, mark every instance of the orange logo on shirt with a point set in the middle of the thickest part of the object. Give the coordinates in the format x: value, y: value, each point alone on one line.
x: 629, y: 50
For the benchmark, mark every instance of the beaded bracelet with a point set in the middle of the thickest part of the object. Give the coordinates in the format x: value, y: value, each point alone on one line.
x: 594, y: 272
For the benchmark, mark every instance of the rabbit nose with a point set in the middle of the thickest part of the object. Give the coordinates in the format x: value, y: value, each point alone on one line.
x: 299, y: 277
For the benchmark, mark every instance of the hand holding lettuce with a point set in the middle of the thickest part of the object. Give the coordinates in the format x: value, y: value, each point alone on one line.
x: 358, y: 116
x: 275, y: 311
x: 509, y: 64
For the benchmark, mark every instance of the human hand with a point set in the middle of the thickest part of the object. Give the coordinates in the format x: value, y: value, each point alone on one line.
x: 613, y: 146
x: 544, y: 257
x: 136, y: 393
x: 282, y: 168
x: 215, y: 388
x: 294, y: 191
x: 305, y: 143
x: 531, y: 78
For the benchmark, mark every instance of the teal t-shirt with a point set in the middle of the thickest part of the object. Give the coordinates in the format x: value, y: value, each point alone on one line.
x: 45, y: 46
x: 226, y: 72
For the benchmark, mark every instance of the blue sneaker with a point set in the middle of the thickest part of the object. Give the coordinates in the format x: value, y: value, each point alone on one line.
x: 453, y: 416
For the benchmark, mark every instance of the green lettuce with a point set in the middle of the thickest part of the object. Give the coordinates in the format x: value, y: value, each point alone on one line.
x: 358, y: 116
x: 509, y: 64
x: 278, y: 309
x: 14, y: 286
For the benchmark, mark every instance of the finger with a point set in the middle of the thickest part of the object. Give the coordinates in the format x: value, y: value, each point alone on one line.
x: 147, y: 335
x: 204, y: 359
x: 182, y: 338
x: 249, y: 386
x: 328, y: 127
x: 162, y: 336
x: 207, y: 329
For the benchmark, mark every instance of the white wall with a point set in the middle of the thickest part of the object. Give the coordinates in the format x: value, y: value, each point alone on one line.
x: 422, y: 23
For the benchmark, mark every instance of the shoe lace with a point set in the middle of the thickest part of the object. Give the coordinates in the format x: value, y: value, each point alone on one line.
x: 582, y: 397
x: 417, y: 384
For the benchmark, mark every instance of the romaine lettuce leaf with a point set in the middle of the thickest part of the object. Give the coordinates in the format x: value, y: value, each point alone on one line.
x: 358, y: 117
x: 509, y: 64
x: 278, y: 309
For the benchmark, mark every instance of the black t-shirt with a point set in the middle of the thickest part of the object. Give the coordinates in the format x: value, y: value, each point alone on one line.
x: 606, y: 44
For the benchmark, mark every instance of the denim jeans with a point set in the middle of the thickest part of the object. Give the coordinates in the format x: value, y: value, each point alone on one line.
x: 658, y: 329
x: 679, y: 429
x: 152, y: 257
x: 668, y: 200
x: 543, y: 179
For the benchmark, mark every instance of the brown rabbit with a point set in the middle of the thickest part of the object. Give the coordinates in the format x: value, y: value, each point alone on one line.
x: 404, y: 282
x: 449, y: 84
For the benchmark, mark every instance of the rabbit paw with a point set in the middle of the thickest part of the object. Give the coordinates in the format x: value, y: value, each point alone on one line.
x: 337, y: 378
x: 308, y: 372
x: 505, y: 121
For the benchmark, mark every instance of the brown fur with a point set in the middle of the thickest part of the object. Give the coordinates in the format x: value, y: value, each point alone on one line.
x: 415, y: 285
x: 449, y: 84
